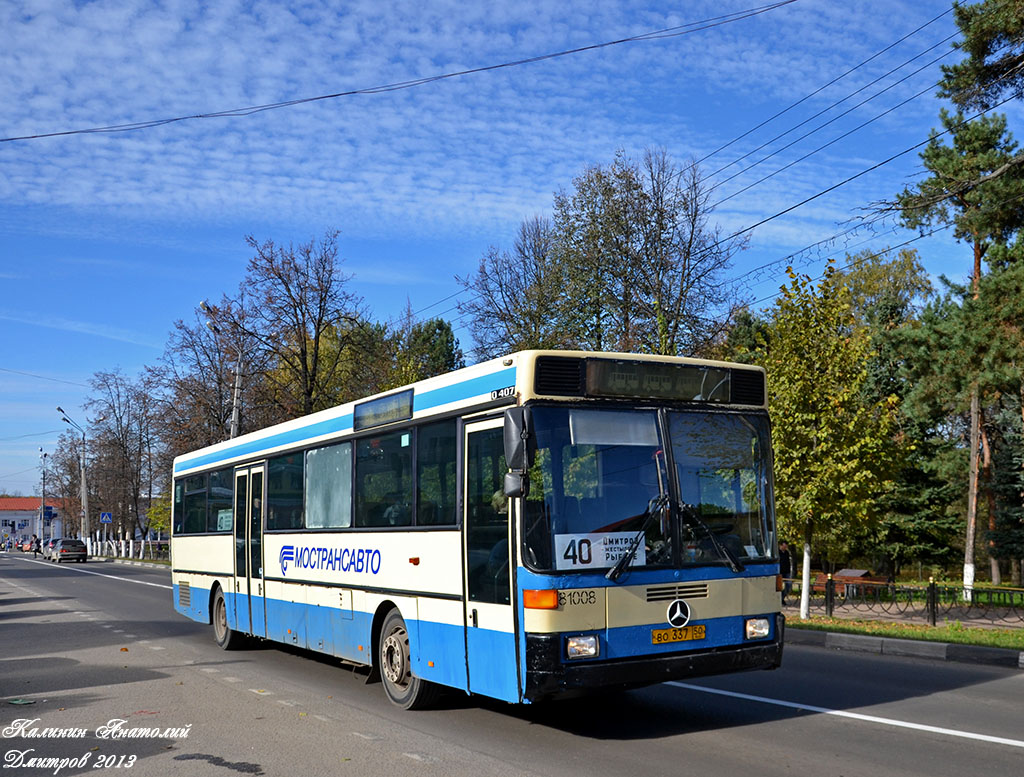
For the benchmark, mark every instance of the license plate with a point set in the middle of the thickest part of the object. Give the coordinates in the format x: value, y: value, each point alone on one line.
x: 685, y: 634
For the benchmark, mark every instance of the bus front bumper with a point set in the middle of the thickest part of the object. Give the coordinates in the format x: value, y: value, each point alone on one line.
x: 548, y: 674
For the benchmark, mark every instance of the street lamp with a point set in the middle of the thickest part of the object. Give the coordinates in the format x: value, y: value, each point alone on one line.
x: 85, y: 488
x: 236, y: 397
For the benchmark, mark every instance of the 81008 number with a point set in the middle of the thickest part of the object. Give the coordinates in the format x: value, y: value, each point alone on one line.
x: 576, y: 597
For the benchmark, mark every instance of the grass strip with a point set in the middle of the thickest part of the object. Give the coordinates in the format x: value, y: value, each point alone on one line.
x: 951, y: 631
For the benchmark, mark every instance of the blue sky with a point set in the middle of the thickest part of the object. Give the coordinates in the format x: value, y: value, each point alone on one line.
x: 109, y: 238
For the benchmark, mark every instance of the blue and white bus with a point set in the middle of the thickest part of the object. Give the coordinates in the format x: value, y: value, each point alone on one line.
x: 545, y: 523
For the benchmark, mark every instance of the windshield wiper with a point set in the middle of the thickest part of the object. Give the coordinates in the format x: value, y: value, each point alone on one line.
x: 655, y: 506
x: 723, y: 550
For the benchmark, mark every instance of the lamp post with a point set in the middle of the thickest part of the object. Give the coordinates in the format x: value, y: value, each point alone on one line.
x: 42, y: 499
x: 236, y: 397
x: 85, y: 489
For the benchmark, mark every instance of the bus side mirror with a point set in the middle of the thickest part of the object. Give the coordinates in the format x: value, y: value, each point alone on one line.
x: 517, y: 484
x: 518, y: 447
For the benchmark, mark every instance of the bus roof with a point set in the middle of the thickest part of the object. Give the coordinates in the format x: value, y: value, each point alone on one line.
x: 505, y: 380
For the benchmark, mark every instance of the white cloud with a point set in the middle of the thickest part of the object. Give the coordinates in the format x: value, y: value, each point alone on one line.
x: 83, y: 327
x: 467, y: 153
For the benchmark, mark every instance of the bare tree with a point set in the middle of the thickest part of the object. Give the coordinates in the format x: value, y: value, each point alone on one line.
x: 126, y: 460
x: 630, y: 262
x: 65, y: 478
x: 196, y: 376
x: 516, y: 298
x: 291, y: 302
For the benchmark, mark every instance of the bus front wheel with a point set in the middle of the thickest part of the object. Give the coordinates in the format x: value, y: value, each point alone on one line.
x: 401, y: 686
x: 226, y: 637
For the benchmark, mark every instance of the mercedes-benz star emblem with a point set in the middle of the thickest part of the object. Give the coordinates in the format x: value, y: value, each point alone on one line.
x: 678, y: 613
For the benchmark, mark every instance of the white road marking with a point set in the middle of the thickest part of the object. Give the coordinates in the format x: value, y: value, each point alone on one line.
x: 232, y: 679
x: 371, y: 737
x: 209, y: 669
x: 952, y: 732
x: 112, y: 577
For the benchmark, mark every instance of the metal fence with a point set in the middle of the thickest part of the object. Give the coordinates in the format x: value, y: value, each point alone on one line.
x: 133, y: 549
x: 932, y: 602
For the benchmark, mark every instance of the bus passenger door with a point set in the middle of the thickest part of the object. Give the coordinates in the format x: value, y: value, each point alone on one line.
x: 250, y: 612
x: 488, y: 560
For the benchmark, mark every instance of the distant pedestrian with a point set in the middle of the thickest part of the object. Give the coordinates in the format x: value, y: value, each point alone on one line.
x: 786, y: 569
x: 35, y: 546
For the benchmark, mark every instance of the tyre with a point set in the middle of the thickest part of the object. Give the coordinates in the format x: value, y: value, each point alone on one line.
x: 225, y: 636
x: 401, y: 686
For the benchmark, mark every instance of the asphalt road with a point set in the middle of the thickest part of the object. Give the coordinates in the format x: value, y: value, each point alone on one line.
x: 89, y: 645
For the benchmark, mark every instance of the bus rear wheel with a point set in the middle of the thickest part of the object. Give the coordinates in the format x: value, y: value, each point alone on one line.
x: 401, y: 686
x: 226, y: 637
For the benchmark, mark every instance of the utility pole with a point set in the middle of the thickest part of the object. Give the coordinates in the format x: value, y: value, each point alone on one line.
x: 84, y: 529
x: 236, y: 395
x: 42, y: 499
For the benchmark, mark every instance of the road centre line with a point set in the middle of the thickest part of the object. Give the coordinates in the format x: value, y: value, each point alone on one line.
x: 854, y: 715
x: 100, y: 574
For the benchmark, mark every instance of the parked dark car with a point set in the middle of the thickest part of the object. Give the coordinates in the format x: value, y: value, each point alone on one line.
x: 68, y: 550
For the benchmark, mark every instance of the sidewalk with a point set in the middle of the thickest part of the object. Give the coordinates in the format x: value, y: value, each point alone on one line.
x: 134, y: 562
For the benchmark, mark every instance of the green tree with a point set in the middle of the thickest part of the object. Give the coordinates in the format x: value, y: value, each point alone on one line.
x: 834, y: 451
x: 916, y: 519
x: 976, y: 186
x: 424, y: 349
x: 158, y: 516
x: 993, y: 38
x: 745, y: 340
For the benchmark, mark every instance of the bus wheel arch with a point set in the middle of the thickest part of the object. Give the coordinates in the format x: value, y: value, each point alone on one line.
x: 376, y: 626
x: 225, y: 636
x: 393, y: 664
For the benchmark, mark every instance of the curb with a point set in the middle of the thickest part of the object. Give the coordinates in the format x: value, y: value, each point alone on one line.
x: 133, y: 563
x: 890, y: 646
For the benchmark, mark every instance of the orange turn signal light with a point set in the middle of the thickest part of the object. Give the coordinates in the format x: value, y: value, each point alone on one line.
x: 778, y: 582
x: 542, y: 599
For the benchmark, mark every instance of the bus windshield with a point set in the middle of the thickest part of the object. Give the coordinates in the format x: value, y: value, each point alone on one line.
x: 599, y: 474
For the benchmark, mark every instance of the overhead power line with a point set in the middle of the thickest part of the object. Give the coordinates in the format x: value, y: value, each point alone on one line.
x: 821, y: 88
x: 834, y: 119
x: 668, y: 32
x: 23, y: 436
x: 855, y: 176
x: 43, y: 377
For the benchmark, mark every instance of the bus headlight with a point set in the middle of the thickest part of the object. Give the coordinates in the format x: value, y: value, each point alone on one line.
x: 758, y: 628
x: 582, y: 646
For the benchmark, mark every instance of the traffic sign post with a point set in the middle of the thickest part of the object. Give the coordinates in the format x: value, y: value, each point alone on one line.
x: 106, y: 517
